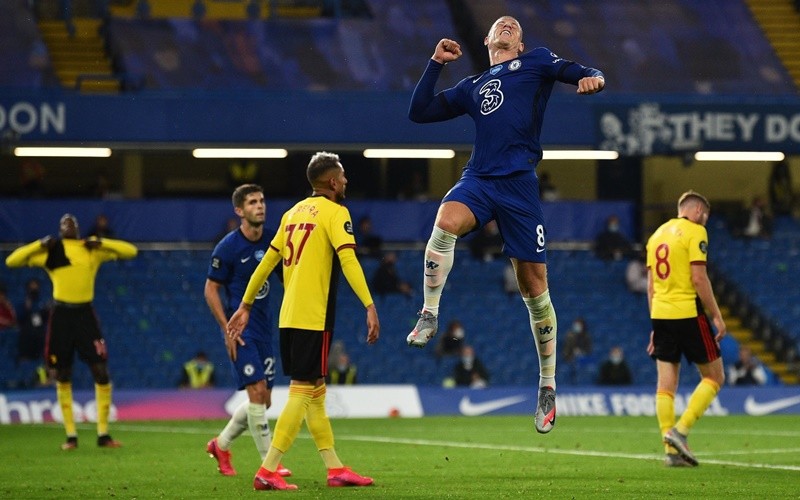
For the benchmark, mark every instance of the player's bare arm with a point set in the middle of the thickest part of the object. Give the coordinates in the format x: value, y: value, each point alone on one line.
x: 650, y: 292
x: 211, y: 293
x: 446, y: 51
x: 706, y: 293
x: 373, y: 324
x: 590, y: 85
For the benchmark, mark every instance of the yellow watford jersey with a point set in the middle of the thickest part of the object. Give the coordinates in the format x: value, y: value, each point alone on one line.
x: 310, y: 234
x: 73, y: 283
x: 671, y: 251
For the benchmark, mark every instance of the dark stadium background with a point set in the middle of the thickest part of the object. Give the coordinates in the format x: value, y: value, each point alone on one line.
x: 152, y: 80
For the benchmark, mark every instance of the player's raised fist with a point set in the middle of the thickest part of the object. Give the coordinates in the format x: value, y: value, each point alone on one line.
x: 590, y: 85
x: 446, y: 51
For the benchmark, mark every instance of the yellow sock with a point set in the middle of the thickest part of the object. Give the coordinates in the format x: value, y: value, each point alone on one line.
x: 665, y: 412
x: 288, y: 424
x: 64, y: 395
x: 102, y: 395
x: 319, y: 425
x: 273, y: 458
x: 699, y: 401
x: 331, y: 459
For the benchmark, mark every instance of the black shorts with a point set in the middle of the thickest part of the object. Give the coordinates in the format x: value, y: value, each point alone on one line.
x: 691, y: 337
x: 72, y: 328
x: 304, y: 353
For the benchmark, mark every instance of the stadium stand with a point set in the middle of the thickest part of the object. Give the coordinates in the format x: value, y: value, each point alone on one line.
x: 712, y: 47
x: 759, y: 276
x: 386, y: 52
x: 24, y: 59
x: 152, y: 308
x: 671, y: 46
x: 154, y: 316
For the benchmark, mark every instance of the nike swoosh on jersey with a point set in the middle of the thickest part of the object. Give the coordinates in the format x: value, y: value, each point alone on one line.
x: 470, y: 409
x: 540, y: 250
x: 246, y: 259
x: 753, y: 407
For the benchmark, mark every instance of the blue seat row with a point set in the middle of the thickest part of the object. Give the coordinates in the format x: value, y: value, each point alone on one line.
x: 152, y: 326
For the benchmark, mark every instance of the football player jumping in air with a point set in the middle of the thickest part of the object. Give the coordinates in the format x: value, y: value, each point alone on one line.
x: 507, y: 103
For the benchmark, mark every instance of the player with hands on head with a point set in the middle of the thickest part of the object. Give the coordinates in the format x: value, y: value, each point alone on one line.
x: 72, y: 264
x: 507, y: 103
x: 679, y: 295
x: 313, y: 242
x: 233, y: 261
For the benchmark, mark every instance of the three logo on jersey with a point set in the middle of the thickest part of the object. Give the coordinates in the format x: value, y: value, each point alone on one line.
x: 492, y: 95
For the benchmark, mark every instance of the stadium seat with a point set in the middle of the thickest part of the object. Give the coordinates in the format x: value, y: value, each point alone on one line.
x: 169, y: 49
x: 23, y: 53
x: 150, y: 334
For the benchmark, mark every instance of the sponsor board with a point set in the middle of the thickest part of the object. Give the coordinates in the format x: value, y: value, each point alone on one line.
x: 362, y: 401
x: 358, y: 401
x: 647, y: 128
x: 380, y: 401
x: 597, y: 401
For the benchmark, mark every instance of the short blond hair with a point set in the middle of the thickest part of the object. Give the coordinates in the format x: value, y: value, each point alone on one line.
x: 692, y: 196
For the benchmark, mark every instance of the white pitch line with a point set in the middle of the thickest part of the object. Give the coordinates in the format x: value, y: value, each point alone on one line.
x: 536, y: 449
x: 695, y: 432
x: 487, y: 446
x: 771, y: 451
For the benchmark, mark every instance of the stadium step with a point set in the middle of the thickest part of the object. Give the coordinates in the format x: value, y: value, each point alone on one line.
x: 780, y: 22
x: 228, y: 9
x: 746, y: 337
x: 77, y: 51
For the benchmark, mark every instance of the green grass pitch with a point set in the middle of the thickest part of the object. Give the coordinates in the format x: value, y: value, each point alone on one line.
x: 432, y: 457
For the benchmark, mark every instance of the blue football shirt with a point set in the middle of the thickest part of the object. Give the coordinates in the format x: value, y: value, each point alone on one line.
x: 232, y: 263
x: 507, y: 103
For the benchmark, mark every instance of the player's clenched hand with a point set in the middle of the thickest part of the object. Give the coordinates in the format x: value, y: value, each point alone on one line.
x: 650, y: 346
x: 446, y: 51
x: 48, y: 242
x: 373, y: 325
x: 590, y: 85
x: 92, y: 242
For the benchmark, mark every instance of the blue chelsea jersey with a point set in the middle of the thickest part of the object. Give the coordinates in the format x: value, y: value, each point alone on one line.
x: 507, y: 103
x: 232, y: 263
